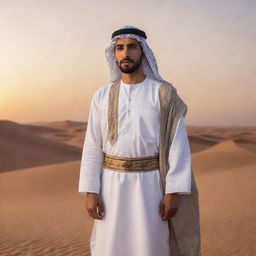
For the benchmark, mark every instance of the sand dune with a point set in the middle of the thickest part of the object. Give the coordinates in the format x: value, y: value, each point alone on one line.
x: 223, y: 156
x: 199, y: 143
x: 67, y: 131
x: 228, y: 212
x: 203, y: 137
x: 20, y: 148
x: 229, y: 133
x: 43, y: 214
x: 67, y: 124
x: 226, y: 175
x: 247, y: 144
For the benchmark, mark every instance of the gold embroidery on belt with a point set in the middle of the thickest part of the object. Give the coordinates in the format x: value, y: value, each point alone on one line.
x: 139, y: 164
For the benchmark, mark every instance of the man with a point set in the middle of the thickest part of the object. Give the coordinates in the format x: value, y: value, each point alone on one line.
x: 133, y: 172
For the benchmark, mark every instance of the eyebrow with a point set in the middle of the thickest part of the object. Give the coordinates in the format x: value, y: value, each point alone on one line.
x: 131, y: 44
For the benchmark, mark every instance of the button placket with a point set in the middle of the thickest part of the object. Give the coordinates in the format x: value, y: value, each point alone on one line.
x: 128, y: 107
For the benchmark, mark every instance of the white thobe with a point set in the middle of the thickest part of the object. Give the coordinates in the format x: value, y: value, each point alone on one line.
x: 132, y: 225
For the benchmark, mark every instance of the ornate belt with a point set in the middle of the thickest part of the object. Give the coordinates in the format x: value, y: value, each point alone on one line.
x: 124, y: 164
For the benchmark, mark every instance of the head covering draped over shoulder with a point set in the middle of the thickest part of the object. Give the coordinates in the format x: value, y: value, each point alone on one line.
x: 150, y: 67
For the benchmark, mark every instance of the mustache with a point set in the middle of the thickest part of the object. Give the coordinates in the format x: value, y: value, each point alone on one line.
x: 126, y: 59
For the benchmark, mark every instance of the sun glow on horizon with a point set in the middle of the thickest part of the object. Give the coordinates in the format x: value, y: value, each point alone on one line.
x: 52, y: 57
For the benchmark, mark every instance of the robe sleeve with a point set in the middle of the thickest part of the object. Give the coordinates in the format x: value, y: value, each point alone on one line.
x: 92, y: 154
x: 178, y: 178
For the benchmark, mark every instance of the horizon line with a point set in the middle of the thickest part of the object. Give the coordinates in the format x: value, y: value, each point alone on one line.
x: 85, y: 122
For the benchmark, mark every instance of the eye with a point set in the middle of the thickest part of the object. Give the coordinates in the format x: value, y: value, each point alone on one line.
x: 119, y: 48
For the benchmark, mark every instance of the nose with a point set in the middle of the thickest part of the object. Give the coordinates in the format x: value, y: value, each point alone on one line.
x: 125, y: 53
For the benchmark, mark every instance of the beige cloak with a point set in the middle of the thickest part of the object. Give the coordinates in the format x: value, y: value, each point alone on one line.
x: 185, y: 225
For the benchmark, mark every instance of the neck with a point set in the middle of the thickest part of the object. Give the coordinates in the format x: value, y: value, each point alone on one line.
x: 133, y: 78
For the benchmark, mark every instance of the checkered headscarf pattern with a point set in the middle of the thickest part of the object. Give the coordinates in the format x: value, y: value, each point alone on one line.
x: 149, y: 63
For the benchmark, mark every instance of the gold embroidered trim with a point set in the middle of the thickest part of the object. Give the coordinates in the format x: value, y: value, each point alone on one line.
x: 131, y: 164
x: 113, y: 112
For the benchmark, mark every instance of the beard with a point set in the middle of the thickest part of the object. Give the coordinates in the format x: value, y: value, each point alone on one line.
x: 131, y: 69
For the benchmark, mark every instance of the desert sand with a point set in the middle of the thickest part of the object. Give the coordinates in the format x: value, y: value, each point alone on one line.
x: 41, y: 212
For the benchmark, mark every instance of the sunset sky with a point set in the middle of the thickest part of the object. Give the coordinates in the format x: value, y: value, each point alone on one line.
x: 52, y: 55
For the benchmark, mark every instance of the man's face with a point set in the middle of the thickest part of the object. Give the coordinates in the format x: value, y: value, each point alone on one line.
x: 128, y: 54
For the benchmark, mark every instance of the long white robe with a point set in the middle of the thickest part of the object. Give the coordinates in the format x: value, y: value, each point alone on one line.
x: 132, y: 225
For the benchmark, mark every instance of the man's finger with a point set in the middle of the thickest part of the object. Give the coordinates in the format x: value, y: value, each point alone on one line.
x: 93, y: 213
x: 90, y: 212
x: 166, y: 213
x: 173, y: 212
x: 101, y: 208
x: 161, y: 209
x: 96, y: 213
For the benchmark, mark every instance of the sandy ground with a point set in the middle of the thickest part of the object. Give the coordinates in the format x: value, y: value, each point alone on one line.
x: 41, y: 212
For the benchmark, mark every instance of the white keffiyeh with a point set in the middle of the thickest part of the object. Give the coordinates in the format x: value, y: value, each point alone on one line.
x: 150, y: 67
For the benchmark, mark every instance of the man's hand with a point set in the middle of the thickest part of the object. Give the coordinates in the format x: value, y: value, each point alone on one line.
x: 94, y: 205
x: 169, y: 206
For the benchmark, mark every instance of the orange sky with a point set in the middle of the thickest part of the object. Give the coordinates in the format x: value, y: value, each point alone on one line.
x: 52, y: 56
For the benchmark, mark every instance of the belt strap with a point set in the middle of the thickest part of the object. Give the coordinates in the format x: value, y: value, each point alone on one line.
x: 124, y: 164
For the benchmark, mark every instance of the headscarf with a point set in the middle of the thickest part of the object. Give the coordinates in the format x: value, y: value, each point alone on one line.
x: 149, y: 64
